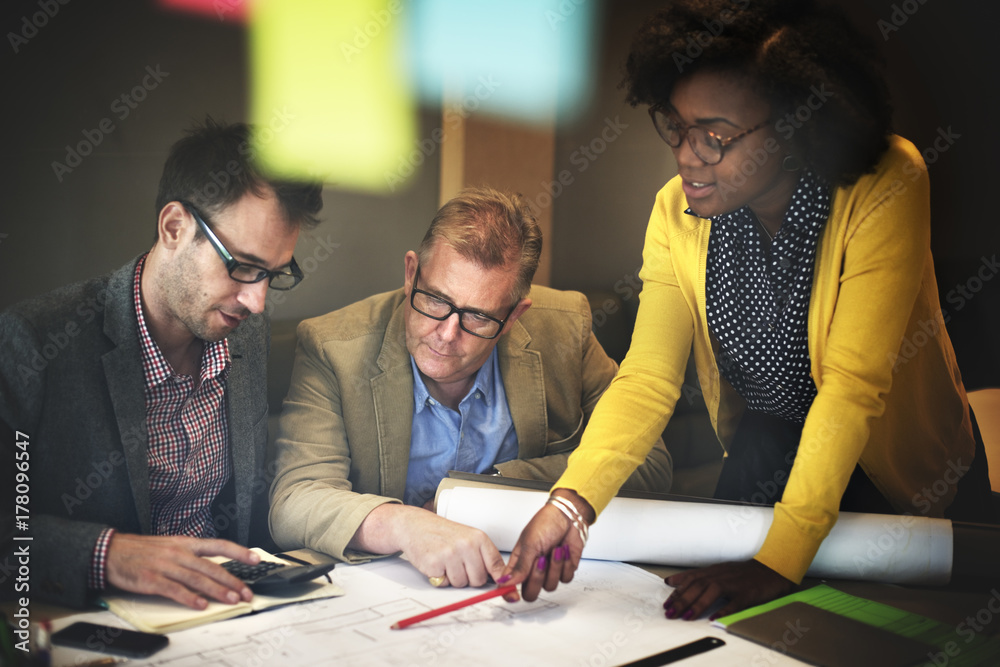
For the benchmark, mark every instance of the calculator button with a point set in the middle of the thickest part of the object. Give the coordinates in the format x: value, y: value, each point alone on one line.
x: 250, y: 573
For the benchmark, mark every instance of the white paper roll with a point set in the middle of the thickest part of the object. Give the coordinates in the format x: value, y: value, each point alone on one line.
x: 868, y: 547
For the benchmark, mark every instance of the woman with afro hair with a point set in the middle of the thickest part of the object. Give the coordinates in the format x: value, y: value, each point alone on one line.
x: 791, y: 257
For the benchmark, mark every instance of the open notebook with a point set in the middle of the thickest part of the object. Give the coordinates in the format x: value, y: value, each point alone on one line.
x: 151, y: 613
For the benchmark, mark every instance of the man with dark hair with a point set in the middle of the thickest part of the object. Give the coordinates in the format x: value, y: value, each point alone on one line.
x: 143, y: 438
x: 451, y: 372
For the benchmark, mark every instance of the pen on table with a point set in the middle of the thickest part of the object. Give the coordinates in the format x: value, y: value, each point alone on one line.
x: 293, y: 559
x: 496, y: 592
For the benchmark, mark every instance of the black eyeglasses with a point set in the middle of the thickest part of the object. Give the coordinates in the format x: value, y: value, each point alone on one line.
x: 283, y: 279
x: 707, y: 145
x: 471, y: 321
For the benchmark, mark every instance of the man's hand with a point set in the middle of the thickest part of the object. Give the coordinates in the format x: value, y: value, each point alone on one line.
x: 744, y: 584
x: 434, y: 545
x: 173, y: 567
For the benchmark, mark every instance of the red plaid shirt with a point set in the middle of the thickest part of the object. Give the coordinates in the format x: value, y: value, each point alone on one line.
x: 188, y: 441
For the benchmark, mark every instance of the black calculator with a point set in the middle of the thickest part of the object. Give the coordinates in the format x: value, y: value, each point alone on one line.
x: 268, y: 574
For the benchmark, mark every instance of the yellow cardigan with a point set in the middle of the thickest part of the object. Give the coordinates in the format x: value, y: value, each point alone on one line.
x: 890, y: 395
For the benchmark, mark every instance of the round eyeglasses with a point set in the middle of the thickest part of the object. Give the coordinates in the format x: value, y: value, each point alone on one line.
x: 707, y: 145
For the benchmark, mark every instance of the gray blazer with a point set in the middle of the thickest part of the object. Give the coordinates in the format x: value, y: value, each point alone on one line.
x: 71, y: 381
x: 343, y: 445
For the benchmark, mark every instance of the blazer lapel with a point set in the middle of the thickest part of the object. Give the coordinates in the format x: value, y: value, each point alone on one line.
x: 124, y: 375
x: 524, y: 384
x: 392, y: 394
x: 242, y: 388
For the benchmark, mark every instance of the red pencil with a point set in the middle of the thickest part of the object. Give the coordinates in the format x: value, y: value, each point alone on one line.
x: 406, y: 622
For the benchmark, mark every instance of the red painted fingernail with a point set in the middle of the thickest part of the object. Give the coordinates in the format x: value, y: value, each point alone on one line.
x: 541, y: 563
x: 504, y: 579
x: 713, y: 616
x: 557, y: 554
x: 688, y: 615
x: 671, y: 612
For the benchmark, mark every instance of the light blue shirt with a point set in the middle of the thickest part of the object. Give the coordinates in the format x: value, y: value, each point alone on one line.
x: 474, y: 439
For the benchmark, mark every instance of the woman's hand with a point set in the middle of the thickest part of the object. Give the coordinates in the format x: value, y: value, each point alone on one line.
x: 548, y: 550
x: 744, y: 584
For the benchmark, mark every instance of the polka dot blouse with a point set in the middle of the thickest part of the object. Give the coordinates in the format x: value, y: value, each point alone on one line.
x: 757, y: 293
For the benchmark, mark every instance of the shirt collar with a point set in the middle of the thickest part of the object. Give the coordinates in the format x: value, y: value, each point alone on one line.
x: 483, y: 383
x: 157, y: 370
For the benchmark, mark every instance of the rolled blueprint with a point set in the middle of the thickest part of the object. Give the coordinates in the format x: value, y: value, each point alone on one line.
x: 868, y: 547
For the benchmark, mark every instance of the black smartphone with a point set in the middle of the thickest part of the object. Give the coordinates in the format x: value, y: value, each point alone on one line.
x: 107, y: 639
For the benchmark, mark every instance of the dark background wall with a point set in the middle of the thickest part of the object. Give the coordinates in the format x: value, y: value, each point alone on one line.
x: 72, y: 74
x: 65, y: 79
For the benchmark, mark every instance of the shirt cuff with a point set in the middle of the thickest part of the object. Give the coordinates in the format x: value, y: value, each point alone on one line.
x: 97, y: 578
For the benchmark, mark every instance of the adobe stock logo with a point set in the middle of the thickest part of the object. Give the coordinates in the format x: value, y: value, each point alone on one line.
x: 899, y: 16
x: 363, y: 35
x: 30, y: 25
x: 122, y: 106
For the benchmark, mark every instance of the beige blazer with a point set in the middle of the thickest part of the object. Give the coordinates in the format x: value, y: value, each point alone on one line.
x: 344, y: 434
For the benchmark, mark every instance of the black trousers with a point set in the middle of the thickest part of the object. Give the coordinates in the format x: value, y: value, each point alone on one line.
x: 763, y: 451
